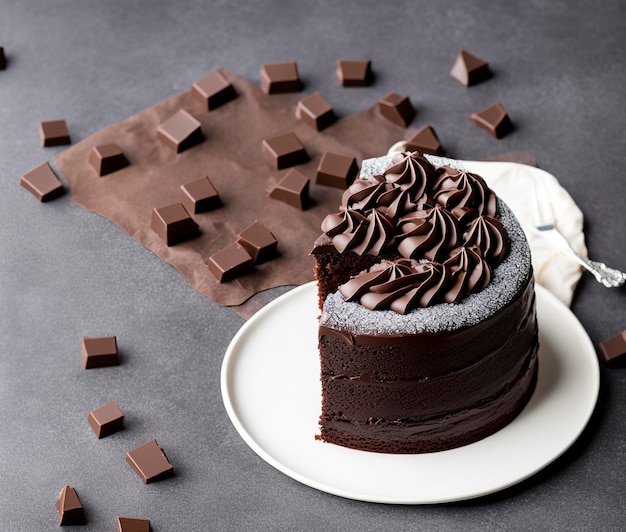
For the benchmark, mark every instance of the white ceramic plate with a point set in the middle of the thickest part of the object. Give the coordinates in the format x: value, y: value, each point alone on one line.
x: 272, y: 393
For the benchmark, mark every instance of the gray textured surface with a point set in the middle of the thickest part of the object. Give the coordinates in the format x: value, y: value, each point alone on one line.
x: 559, y: 70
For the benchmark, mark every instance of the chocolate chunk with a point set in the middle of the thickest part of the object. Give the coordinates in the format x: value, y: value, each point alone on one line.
x: 107, y: 158
x: 130, y: 524
x: 99, y: 352
x: 280, y: 77
x: 425, y: 141
x: 284, y: 150
x: 3, y: 61
x: 292, y: 189
x: 338, y: 171
x: 213, y: 90
x: 42, y: 183
x: 315, y: 111
x: 199, y: 196
x: 614, y: 348
x: 69, y: 508
x: 354, y: 73
x: 259, y: 242
x: 493, y: 119
x: 106, y: 420
x: 173, y: 224
x: 150, y: 462
x: 180, y: 131
x: 230, y: 262
x: 54, y: 133
x: 398, y: 109
x: 469, y: 70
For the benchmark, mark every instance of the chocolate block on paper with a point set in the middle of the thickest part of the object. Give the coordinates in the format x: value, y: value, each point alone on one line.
x: 284, y: 151
x: 493, y: 119
x: 315, y: 111
x: 354, y: 73
x: 397, y: 109
x: 131, y: 524
x: 213, y: 90
x: 259, y: 242
x: 230, y: 262
x: 42, y: 183
x: 3, y: 61
x: 335, y: 170
x: 280, y: 77
x: 150, y: 462
x: 180, y: 131
x: 469, y: 69
x: 107, y: 158
x: 99, y: 352
x: 69, y: 508
x: 106, y: 419
x: 199, y: 196
x: 292, y: 189
x: 425, y: 141
x: 614, y: 349
x: 54, y: 133
x: 173, y: 224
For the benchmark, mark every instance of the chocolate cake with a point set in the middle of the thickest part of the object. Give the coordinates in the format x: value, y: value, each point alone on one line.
x: 428, y: 332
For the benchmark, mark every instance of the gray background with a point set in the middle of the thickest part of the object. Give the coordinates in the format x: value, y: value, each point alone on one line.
x: 560, y: 72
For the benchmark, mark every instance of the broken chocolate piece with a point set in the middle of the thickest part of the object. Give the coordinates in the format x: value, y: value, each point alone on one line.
x: 280, y: 77
x: 259, y: 242
x: 180, y: 131
x: 107, y: 158
x: 99, y: 352
x: 398, y: 109
x: 42, y: 183
x: 54, y: 133
x: 614, y: 348
x: 469, y: 70
x: 69, y: 508
x: 284, y: 150
x: 213, y: 90
x: 173, y: 224
x: 292, y: 189
x: 130, y: 524
x: 150, y: 462
x: 106, y: 420
x: 493, y: 119
x: 230, y: 262
x: 354, y: 73
x: 425, y: 141
x: 199, y: 196
x: 315, y: 111
x: 338, y: 171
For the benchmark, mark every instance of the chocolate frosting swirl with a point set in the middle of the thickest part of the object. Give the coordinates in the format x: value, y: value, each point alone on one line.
x: 469, y: 273
x: 490, y: 236
x: 371, y: 233
x: 429, y: 234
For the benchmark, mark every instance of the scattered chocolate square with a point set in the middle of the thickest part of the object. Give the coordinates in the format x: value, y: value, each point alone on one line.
x: 284, y: 150
x: 425, y: 141
x: 54, y: 133
x: 42, y: 183
x: 3, y: 61
x: 280, y: 77
x: 230, y: 262
x: 99, y: 352
x: 469, y: 69
x: 259, y: 242
x: 199, y: 196
x: 106, y: 419
x: 107, y: 158
x: 292, y: 189
x: 69, y: 508
x: 397, y: 109
x: 213, y: 90
x: 180, y: 131
x: 315, y: 111
x: 173, y: 224
x: 493, y: 119
x: 150, y: 462
x: 131, y: 524
x: 335, y: 170
x: 614, y: 348
x: 354, y: 73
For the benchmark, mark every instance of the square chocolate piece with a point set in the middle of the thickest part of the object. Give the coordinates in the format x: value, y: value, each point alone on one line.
x: 54, y: 133
x: 425, y: 141
x: 42, y: 183
x: 150, y: 462
x: 199, y: 196
x: 99, y: 352
x: 259, y: 242
x: 230, y: 262
x: 213, y: 90
x: 614, y: 348
x: 292, y: 189
x: 284, y: 151
x: 130, y: 524
x: 107, y: 158
x: 106, y: 420
x: 469, y: 70
x: 398, y: 109
x: 280, y: 77
x: 493, y: 119
x: 173, y: 224
x: 3, y: 61
x: 69, y: 508
x: 315, y: 111
x: 180, y: 131
x: 354, y: 73
x: 338, y: 171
